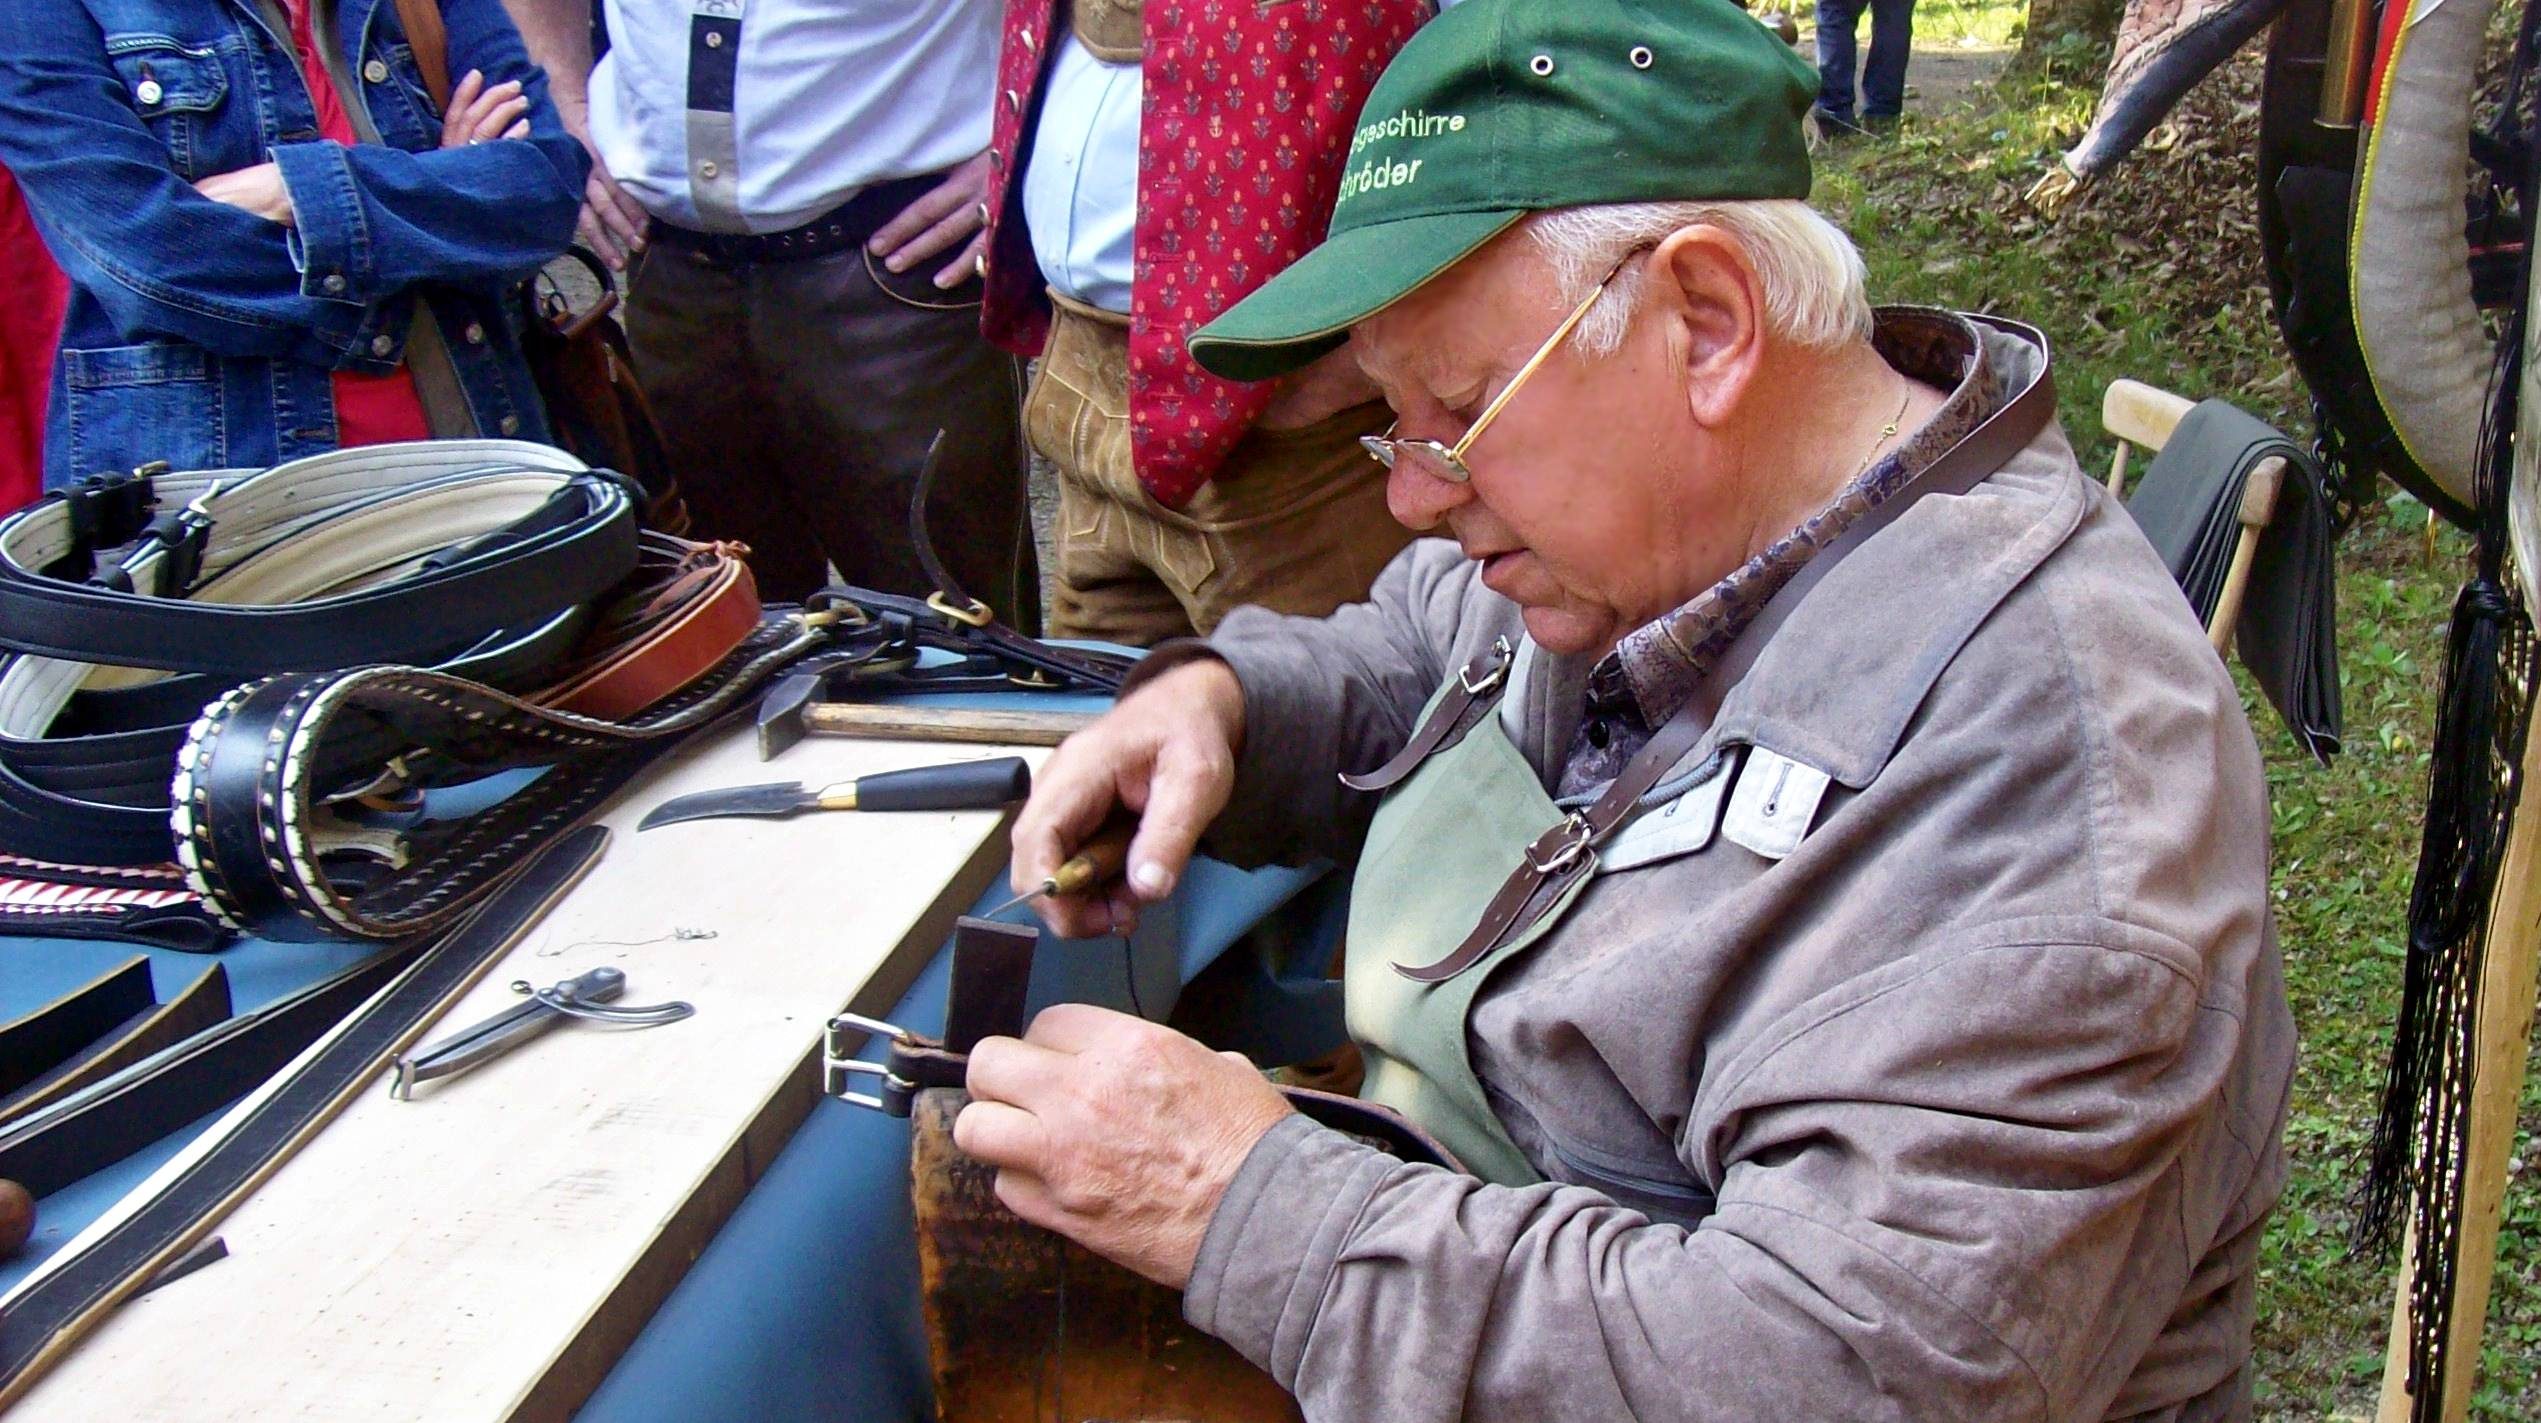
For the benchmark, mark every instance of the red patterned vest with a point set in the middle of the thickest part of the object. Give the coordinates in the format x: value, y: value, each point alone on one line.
x: 1246, y: 122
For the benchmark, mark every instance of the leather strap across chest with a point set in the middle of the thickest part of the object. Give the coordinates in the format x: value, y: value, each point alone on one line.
x: 1567, y: 851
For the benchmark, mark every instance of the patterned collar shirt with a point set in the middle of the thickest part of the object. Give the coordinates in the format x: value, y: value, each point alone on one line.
x: 1634, y: 689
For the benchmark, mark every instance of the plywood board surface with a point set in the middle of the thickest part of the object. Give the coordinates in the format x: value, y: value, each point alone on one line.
x: 485, y: 1250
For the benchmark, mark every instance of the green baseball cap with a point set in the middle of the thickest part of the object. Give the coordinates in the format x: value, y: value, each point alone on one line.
x: 1500, y: 108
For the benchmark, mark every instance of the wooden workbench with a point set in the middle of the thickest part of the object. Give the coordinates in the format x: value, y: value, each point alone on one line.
x: 487, y: 1250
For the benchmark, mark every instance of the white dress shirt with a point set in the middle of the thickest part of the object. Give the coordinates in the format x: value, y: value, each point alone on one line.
x: 1080, y: 189
x: 760, y: 115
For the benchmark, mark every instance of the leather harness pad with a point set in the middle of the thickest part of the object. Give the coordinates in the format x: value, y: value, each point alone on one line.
x: 472, y: 556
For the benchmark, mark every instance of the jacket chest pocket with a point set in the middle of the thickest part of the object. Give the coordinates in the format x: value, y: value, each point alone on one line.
x: 180, y: 92
x: 411, y: 122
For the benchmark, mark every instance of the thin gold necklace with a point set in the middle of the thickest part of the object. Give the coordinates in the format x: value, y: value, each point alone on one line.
x: 1887, y: 432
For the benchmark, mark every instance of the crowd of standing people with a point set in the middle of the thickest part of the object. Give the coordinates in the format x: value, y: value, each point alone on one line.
x: 839, y: 228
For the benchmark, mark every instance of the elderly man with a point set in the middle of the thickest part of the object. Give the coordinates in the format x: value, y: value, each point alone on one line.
x: 1810, y: 868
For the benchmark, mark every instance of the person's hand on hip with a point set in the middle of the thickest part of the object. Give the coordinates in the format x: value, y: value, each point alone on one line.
x: 941, y: 217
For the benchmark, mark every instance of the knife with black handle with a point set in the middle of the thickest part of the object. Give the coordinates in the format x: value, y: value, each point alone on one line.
x: 961, y: 785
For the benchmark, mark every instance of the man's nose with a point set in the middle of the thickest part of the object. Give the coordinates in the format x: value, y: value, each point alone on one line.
x: 1420, y: 500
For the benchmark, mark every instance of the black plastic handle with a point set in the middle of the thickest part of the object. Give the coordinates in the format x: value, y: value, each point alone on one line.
x: 963, y: 785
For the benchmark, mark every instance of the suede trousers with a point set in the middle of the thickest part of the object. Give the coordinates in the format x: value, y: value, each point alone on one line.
x: 1294, y: 521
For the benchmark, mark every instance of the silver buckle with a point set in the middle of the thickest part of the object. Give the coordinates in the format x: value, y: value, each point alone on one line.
x: 1576, y: 835
x: 836, y: 1068
x: 1490, y: 679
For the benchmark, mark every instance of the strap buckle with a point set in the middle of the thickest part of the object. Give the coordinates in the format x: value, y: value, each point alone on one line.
x: 182, y: 535
x: 106, y: 511
x: 1562, y: 846
x: 977, y: 614
x: 836, y: 1068
x: 1498, y: 672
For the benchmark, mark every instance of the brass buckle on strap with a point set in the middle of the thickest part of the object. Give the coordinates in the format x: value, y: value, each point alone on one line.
x: 1575, y: 835
x: 977, y: 614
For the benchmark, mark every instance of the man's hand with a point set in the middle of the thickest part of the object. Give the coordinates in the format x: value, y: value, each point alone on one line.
x: 1115, y: 1132
x: 612, y: 224
x: 478, y: 114
x: 945, y: 214
x: 1166, y: 752
x: 259, y: 190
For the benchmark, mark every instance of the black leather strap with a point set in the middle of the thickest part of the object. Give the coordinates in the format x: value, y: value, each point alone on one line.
x: 201, y: 1005
x: 473, y: 556
x: 107, y: 1121
x: 48, y: 1317
x: 566, y: 550
x: 1567, y: 852
x: 269, y: 834
x: 922, y: 623
x: 61, y: 1030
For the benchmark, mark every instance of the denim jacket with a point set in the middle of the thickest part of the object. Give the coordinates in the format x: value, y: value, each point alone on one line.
x: 203, y: 334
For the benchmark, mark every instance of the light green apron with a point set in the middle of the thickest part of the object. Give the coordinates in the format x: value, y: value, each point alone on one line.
x: 1442, y: 843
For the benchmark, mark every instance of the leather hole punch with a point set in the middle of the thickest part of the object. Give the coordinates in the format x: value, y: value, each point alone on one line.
x: 587, y: 996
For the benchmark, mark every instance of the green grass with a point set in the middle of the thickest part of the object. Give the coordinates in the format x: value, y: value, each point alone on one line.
x: 1937, y: 216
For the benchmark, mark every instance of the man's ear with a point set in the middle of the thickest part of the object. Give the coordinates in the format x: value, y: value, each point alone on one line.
x: 1702, y: 281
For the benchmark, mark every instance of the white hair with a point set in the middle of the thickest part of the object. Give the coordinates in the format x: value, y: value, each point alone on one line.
x: 1811, y: 275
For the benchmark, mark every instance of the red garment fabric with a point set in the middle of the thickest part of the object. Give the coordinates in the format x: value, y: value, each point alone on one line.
x: 1242, y: 136
x: 32, y: 291
x: 369, y: 409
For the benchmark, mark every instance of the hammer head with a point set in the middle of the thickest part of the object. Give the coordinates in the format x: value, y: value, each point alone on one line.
x: 781, y: 711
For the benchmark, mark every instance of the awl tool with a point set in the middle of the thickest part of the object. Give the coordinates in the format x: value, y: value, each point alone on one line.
x: 1097, y: 861
x: 962, y: 785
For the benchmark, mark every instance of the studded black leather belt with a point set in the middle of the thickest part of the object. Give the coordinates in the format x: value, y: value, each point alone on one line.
x: 842, y: 228
x: 129, y: 602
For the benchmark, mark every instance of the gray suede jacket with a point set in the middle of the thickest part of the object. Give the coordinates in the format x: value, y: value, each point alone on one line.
x: 1965, y: 1107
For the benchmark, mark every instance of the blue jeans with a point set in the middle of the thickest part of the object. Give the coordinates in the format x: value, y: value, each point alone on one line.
x: 1892, y: 28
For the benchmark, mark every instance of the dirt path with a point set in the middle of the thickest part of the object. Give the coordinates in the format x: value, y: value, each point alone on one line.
x: 1940, y: 77
x: 1942, y: 71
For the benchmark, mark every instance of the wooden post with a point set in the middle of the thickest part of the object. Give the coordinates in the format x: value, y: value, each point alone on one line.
x: 2502, y: 1043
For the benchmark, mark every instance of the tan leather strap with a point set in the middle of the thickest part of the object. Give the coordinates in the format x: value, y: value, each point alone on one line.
x: 1568, y: 850
x: 431, y: 44
x: 684, y: 610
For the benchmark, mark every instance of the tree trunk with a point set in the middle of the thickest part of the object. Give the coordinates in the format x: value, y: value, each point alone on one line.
x: 2095, y: 21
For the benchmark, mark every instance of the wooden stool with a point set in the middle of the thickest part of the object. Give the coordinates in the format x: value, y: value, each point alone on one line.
x: 2140, y: 414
